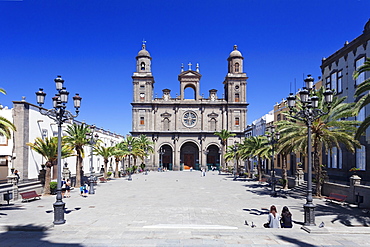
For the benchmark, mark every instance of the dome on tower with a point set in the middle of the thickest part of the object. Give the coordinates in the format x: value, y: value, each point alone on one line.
x: 235, y: 52
x: 143, y: 52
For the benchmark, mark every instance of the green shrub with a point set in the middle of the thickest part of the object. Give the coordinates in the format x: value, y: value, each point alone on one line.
x: 109, y: 174
x: 53, y: 185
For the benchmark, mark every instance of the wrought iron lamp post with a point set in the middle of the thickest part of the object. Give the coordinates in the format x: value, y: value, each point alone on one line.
x: 308, y: 113
x: 161, y: 153
x: 92, y: 141
x: 273, y: 138
x: 60, y: 115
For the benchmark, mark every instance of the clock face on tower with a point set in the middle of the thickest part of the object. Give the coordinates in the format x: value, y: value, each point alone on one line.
x: 190, y: 119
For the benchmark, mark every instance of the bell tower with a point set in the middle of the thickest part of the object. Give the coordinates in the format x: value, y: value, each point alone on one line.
x: 235, y: 84
x: 143, y: 80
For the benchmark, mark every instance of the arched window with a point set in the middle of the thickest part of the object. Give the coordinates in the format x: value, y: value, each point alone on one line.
x: 212, y: 123
x: 142, y: 67
x: 166, y: 124
x: 236, y: 67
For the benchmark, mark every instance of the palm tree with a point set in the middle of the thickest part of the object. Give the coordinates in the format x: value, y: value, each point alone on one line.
x: 119, y: 154
x: 77, y: 139
x: 327, y: 131
x: 224, y: 135
x: 48, y: 148
x: 5, y: 125
x: 234, y: 153
x: 145, y: 144
x: 106, y: 153
x: 365, y: 99
x: 255, y: 146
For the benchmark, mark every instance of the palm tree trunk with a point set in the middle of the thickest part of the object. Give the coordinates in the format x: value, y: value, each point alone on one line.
x: 259, y: 169
x: 249, y: 167
x: 318, y: 174
x: 284, y: 175
x: 116, y: 172
x: 105, y: 167
x: 78, y: 169
x: 47, y: 180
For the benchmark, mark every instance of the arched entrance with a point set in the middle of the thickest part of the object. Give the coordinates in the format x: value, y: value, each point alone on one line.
x: 189, y: 156
x: 213, y: 156
x: 165, y: 157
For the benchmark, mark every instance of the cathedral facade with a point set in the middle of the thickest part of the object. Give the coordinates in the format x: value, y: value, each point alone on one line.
x: 182, y: 129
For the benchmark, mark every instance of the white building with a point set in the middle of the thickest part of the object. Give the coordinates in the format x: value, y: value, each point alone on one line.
x: 30, y: 124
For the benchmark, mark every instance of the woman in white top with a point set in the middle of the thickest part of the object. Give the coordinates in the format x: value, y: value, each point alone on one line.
x: 273, y: 218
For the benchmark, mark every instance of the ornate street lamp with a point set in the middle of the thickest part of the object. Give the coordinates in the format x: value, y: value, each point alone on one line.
x: 92, y: 141
x: 308, y: 114
x: 273, y: 138
x: 59, y: 114
x: 161, y: 153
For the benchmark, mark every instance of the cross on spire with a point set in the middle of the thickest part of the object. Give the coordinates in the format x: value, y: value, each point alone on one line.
x: 189, y: 65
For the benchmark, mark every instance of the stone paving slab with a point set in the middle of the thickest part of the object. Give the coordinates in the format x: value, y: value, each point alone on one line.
x: 178, y: 209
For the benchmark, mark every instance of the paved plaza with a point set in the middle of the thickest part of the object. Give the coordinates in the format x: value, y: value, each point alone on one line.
x: 178, y: 209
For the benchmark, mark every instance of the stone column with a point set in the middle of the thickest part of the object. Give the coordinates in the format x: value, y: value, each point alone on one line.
x: 13, y: 179
x: 354, y: 181
x: 299, y: 176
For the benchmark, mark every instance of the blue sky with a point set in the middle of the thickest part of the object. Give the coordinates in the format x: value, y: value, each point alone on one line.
x: 93, y: 45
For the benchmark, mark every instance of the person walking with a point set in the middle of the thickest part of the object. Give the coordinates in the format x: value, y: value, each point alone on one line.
x: 17, y: 174
x: 273, y: 218
x: 63, y: 185
x: 286, y: 218
x: 68, y: 188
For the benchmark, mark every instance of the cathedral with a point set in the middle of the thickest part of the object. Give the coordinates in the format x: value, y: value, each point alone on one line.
x: 182, y: 129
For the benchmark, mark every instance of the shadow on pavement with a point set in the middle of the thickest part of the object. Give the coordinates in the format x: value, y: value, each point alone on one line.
x: 295, y: 241
x: 27, y: 235
x: 344, y: 214
x: 255, y: 211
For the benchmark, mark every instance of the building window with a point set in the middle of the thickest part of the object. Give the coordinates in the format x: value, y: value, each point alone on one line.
x: 237, y: 121
x: 166, y: 124
x: 361, y: 115
x: 361, y: 158
x: 3, y: 140
x: 236, y: 67
x: 236, y: 97
x: 142, y: 122
x: 327, y: 82
x: 213, y: 124
x: 142, y: 97
x: 278, y: 117
x: 334, y: 81
x: 361, y: 76
x: 142, y: 66
x: 339, y: 81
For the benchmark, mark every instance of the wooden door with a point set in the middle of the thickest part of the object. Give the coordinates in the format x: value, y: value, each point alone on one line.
x: 189, y: 160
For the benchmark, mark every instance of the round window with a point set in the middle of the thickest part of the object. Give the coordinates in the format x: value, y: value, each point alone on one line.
x: 189, y: 118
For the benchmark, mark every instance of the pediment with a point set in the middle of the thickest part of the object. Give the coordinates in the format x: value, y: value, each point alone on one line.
x: 190, y: 73
x: 166, y: 115
x: 212, y: 115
